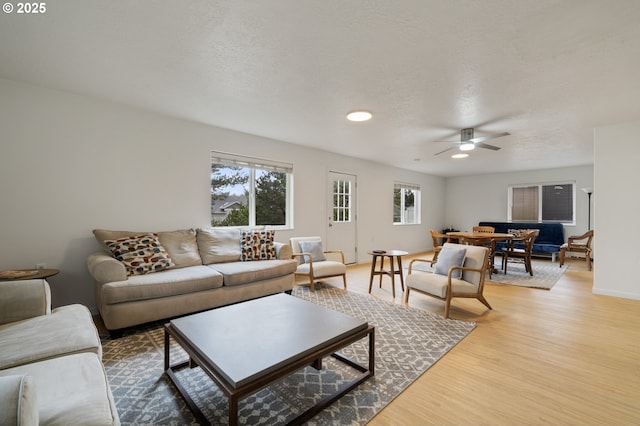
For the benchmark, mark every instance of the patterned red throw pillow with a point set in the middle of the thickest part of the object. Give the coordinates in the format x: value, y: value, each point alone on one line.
x: 257, y: 245
x: 140, y: 254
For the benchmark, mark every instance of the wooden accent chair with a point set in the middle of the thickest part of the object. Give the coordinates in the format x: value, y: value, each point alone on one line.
x: 487, y: 243
x: 484, y: 229
x: 438, y: 240
x: 316, y: 263
x: 524, y: 254
x: 443, y: 283
x: 577, y: 244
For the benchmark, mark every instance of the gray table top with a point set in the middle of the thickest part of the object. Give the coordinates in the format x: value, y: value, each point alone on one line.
x: 248, y: 340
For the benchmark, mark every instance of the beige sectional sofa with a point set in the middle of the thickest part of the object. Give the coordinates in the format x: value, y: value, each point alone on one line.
x: 184, y: 271
x: 51, y: 369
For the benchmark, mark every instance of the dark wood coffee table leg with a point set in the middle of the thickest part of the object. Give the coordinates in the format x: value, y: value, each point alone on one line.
x: 400, y: 271
x: 373, y: 271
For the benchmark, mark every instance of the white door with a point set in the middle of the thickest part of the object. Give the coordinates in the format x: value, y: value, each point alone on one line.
x: 341, y: 232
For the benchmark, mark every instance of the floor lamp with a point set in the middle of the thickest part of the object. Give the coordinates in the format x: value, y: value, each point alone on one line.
x: 589, y: 191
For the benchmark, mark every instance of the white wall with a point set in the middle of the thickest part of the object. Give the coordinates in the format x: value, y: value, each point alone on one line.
x: 471, y: 199
x: 616, y: 207
x: 70, y: 164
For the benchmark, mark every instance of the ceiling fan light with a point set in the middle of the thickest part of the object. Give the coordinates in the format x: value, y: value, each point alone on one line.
x: 359, y: 115
x: 467, y: 146
x: 460, y: 155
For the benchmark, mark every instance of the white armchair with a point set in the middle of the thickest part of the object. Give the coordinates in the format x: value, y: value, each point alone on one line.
x: 459, y: 272
x: 316, y: 263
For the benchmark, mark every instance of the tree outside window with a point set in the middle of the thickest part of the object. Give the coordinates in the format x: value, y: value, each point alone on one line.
x: 406, y: 204
x: 248, y: 192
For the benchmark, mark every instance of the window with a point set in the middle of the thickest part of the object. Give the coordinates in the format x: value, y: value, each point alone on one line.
x: 542, y: 203
x: 406, y: 204
x: 341, y: 201
x: 250, y: 192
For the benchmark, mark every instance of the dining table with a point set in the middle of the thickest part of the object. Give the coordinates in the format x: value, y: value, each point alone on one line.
x: 481, y: 238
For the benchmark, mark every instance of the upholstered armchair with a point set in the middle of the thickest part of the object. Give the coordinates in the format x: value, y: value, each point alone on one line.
x: 459, y: 272
x: 578, y: 244
x: 315, y: 263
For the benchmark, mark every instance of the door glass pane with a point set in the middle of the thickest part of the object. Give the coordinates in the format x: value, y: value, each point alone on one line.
x: 341, y: 201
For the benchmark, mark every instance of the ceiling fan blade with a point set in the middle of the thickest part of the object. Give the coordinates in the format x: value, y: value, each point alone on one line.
x: 487, y: 146
x: 486, y: 138
x: 442, y: 152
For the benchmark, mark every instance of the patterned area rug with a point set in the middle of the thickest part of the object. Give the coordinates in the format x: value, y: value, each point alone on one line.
x: 408, y: 342
x: 545, y: 273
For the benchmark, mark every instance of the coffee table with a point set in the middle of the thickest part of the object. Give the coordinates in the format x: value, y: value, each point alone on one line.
x: 246, y: 346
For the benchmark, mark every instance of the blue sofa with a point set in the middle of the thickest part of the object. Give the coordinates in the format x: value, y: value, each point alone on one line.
x: 549, y: 240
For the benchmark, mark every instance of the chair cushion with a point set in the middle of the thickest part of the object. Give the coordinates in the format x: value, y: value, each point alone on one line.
x: 436, y: 284
x: 71, y: 390
x: 325, y: 268
x: 450, y: 256
x: 314, y: 248
x: 69, y: 329
x: 18, y: 400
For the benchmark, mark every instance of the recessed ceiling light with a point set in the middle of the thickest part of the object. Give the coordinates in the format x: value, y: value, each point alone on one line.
x: 461, y: 155
x: 467, y: 146
x: 359, y: 115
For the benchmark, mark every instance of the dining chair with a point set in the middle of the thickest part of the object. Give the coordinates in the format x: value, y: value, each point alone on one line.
x: 314, y: 262
x: 459, y: 272
x: 522, y: 254
x: 484, y: 229
x: 578, y: 244
x: 438, y: 240
x: 489, y: 243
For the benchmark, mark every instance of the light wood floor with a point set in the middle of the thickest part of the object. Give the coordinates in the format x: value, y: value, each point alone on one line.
x: 558, y: 357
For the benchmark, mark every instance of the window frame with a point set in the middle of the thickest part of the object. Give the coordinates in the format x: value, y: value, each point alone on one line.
x: 254, y: 165
x: 417, y: 203
x: 540, y: 191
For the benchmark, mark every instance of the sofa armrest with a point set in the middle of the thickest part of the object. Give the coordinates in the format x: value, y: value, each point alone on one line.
x: 18, y: 400
x: 105, y: 269
x: 23, y: 299
x: 283, y: 251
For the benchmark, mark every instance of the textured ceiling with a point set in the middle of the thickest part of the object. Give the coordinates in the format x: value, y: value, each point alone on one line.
x: 548, y: 72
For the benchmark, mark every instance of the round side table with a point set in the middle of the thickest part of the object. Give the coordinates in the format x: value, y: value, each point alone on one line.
x: 393, y: 255
x: 34, y: 274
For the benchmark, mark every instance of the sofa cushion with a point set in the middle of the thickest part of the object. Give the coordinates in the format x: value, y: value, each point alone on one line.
x: 236, y: 273
x: 219, y: 245
x: 69, y: 329
x: 180, y: 244
x: 257, y: 245
x: 141, y: 254
x: 71, y: 390
x: 18, y: 400
x: 161, y: 284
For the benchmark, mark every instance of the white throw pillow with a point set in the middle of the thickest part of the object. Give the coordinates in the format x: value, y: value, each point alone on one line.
x: 450, y: 256
x: 314, y: 248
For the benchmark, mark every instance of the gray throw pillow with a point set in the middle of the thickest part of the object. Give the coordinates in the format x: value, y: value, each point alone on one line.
x: 314, y: 248
x: 450, y: 256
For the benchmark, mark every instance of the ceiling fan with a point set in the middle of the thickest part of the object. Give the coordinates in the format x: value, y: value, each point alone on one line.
x: 467, y: 142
